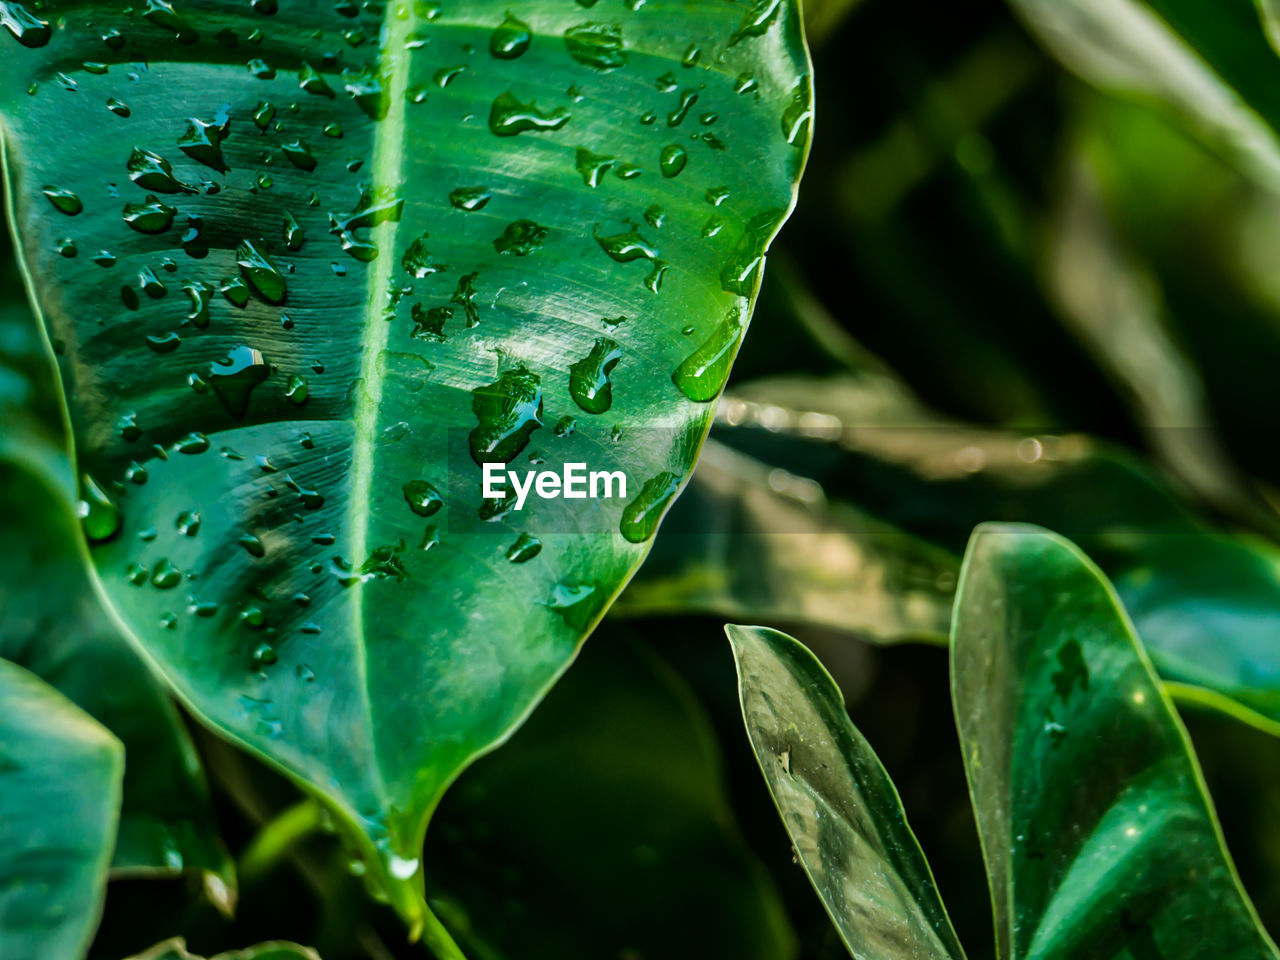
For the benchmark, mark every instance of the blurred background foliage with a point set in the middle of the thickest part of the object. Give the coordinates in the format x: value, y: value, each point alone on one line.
x: 1030, y: 278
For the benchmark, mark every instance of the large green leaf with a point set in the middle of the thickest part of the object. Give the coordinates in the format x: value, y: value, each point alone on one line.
x: 60, y: 775
x: 1098, y: 834
x: 612, y: 799
x: 334, y: 360
x: 839, y: 806
x: 176, y: 949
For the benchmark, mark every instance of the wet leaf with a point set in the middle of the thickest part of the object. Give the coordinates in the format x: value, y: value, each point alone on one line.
x: 327, y: 324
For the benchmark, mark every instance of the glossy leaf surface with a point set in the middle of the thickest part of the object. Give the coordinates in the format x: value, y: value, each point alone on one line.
x: 838, y: 804
x: 60, y: 775
x: 1099, y: 837
x: 326, y: 261
x: 55, y: 627
x: 612, y: 798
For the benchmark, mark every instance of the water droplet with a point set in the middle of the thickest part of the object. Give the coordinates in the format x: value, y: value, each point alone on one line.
x: 508, y: 117
x: 508, y: 411
x: 367, y: 88
x: 151, y: 216
x: 423, y: 498
x: 565, y: 426
x: 593, y: 166
x: 299, y: 154
x: 118, y: 107
x: 589, y: 383
x: 745, y: 83
x: 757, y: 21
x: 260, y: 273
x: 63, y: 199
x: 470, y: 198
x: 654, y: 216
x: 640, y: 517
x: 597, y: 45
x: 798, y: 114
x: 153, y: 172
x: 687, y: 99
x: 193, y: 443
x: 417, y: 260
x: 465, y: 297
x: 691, y: 56
x: 521, y: 238
x: 446, y: 75
x: 162, y: 14
x: 165, y: 342
x: 233, y: 378
x: 252, y: 545
x: 202, y: 141
x: 741, y: 272
x: 672, y: 160
x: 28, y: 29
x: 188, y: 523
x: 67, y: 247
x: 313, y: 82
x: 99, y: 516
x: 264, y: 655
x: 525, y: 548
x: 429, y: 324
x: 703, y: 373
x: 575, y: 603
x: 311, y: 499
x: 625, y: 247
x: 165, y: 576
x: 510, y: 40
x: 293, y: 232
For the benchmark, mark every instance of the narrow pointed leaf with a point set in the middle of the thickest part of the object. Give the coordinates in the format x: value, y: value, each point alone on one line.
x: 1099, y: 838
x: 319, y: 276
x: 60, y: 773
x: 838, y: 804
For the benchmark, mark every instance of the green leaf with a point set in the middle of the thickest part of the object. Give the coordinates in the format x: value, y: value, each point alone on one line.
x: 60, y: 775
x: 1097, y: 831
x: 839, y: 806
x: 55, y: 626
x: 611, y: 798
x: 268, y: 366
x: 176, y: 949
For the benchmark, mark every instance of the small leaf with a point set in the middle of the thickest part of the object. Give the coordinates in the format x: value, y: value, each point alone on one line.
x: 60, y: 774
x: 839, y: 806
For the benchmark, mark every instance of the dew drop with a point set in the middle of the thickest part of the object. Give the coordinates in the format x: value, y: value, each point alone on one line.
x: 597, y: 45
x: 63, y: 199
x: 521, y: 238
x: 99, y: 516
x: 151, y: 216
x: 640, y: 517
x: 672, y: 160
x: 470, y: 198
x: 260, y: 273
x: 423, y: 498
x: 526, y: 547
x: 234, y: 377
x: 589, y: 383
x: 508, y: 117
x: 507, y: 411
x: 510, y: 40
x: 25, y: 27
x: 703, y: 373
